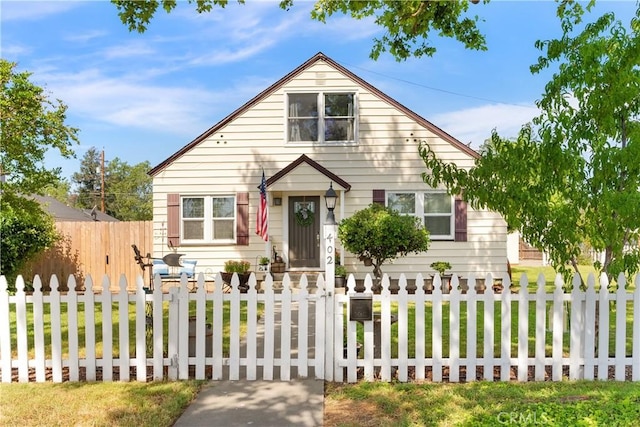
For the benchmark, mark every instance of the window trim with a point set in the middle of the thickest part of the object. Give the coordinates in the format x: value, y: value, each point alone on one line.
x: 320, y: 99
x: 208, y: 219
x: 421, y: 214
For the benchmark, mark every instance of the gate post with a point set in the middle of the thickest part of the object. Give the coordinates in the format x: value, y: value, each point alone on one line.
x: 330, y: 230
x: 330, y: 282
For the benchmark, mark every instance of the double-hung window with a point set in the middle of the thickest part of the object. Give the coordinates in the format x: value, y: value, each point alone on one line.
x: 434, y: 208
x: 208, y: 219
x: 321, y: 117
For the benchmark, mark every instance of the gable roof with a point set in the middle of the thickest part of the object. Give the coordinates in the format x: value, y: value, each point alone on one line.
x: 61, y: 212
x: 317, y: 166
x: 317, y: 57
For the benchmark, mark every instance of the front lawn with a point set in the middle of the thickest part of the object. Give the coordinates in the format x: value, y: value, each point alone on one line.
x: 159, y: 404
x: 115, y: 327
x: 96, y: 403
x: 483, y: 404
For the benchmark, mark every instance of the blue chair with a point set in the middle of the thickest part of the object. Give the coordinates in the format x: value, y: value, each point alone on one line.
x: 159, y: 267
x: 188, y: 267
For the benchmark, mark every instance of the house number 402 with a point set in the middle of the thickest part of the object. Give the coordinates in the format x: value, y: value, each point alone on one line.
x: 329, y: 248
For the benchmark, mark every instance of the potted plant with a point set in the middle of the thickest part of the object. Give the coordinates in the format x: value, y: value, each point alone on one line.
x: 441, y: 267
x: 263, y: 263
x: 341, y: 274
x: 241, y: 268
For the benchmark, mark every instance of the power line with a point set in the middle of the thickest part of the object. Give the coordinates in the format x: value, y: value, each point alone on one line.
x: 437, y: 89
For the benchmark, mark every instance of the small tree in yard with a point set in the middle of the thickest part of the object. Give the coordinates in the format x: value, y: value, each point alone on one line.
x: 381, y: 234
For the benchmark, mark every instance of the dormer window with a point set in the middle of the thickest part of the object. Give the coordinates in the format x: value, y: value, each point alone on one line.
x: 321, y: 117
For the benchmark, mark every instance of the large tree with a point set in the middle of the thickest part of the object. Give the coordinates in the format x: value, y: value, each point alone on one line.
x: 127, y: 189
x: 573, y: 176
x: 31, y: 124
x: 88, y: 180
x: 408, y: 24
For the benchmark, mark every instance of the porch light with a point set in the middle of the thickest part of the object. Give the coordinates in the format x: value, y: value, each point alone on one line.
x: 330, y: 198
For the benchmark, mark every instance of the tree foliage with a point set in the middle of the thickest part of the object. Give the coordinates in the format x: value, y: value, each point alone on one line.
x: 31, y: 125
x: 573, y: 176
x: 26, y: 231
x: 381, y: 234
x: 408, y: 25
x: 127, y: 192
x: 88, y: 180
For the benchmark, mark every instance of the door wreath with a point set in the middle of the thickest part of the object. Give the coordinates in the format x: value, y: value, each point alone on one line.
x: 304, y: 216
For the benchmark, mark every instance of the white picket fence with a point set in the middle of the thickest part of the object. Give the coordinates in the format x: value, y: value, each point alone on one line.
x: 297, y: 333
x: 589, y: 355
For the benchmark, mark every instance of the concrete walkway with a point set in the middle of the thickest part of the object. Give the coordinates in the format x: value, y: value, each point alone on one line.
x: 299, y: 402
x: 257, y: 403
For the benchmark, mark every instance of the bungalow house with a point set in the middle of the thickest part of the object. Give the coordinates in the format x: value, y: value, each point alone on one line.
x: 317, y: 126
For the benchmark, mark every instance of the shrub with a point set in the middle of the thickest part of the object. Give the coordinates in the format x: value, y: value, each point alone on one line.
x: 381, y: 234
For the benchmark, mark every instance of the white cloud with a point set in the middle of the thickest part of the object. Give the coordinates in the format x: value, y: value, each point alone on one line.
x: 134, y: 49
x: 14, y: 50
x: 474, y: 125
x: 34, y: 10
x: 129, y: 103
x: 85, y: 37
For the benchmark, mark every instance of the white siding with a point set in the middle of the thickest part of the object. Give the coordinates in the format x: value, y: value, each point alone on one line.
x: 384, y: 157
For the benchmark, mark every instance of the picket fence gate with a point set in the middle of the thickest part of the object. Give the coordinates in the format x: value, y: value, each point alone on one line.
x: 302, y: 333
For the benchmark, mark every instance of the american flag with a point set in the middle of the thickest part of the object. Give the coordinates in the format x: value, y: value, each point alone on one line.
x: 262, y: 221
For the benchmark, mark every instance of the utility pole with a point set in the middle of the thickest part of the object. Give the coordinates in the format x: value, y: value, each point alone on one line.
x: 102, y: 180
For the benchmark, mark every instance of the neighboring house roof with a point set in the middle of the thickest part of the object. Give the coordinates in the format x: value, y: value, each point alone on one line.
x: 62, y: 212
x: 318, y: 57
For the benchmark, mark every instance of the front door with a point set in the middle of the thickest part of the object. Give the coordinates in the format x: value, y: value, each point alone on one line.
x: 304, y: 232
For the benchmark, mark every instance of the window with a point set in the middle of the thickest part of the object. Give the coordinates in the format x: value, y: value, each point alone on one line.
x: 208, y: 219
x: 435, y: 208
x: 321, y: 117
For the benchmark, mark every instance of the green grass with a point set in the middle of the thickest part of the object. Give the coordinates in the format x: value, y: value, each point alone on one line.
x: 159, y: 404
x: 483, y: 404
x: 115, y: 327
x: 95, y: 403
x: 497, y: 328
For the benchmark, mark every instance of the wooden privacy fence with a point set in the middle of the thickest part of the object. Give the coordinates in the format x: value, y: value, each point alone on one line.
x: 95, y: 248
x: 299, y: 332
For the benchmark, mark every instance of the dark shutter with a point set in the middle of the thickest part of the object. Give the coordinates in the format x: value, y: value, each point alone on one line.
x: 461, y: 220
x: 379, y: 197
x: 173, y: 220
x: 242, y: 229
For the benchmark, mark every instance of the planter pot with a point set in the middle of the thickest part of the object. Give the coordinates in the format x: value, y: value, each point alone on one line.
x: 340, y: 281
x: 242, y: 277
x: 277, y: 267
x: 445, y: 281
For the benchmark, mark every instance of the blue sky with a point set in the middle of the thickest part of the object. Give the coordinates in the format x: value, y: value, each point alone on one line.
x: 144, y: 96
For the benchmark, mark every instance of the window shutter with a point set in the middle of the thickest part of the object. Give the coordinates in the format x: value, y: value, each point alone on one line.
x: 173, y: 220
x: 242, y: 229
x: 379, y: 197
x: 460, y: 220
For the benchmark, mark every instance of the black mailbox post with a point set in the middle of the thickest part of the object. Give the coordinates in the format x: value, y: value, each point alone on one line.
x: 361, y: 307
